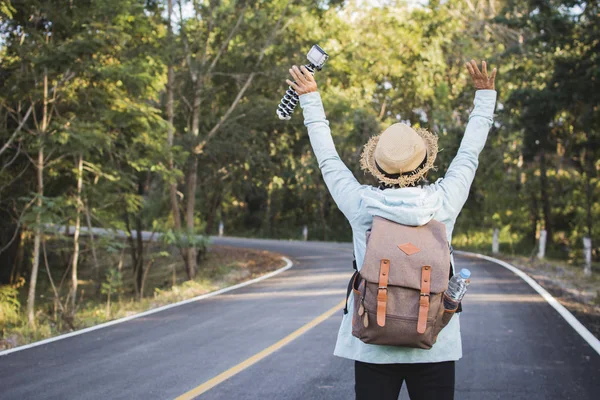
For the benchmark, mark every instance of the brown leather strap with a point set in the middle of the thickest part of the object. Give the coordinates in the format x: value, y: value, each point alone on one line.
x: 424, y: 300
x: 384, y: 274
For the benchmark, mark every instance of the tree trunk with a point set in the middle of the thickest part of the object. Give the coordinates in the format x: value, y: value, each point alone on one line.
x: 171, y: 129
x: 57, y: 303
x: 76, y: 235
x: 192, y: 181
x: 108, y: 305
x: 88, y: 219
x: 120, y: 269
x: 267, y: 220
x: 189, y: 218
x: 143, y: 281
x: 11, y: 236
x: 533, y: 217
x: 38, y: 217
x: 15, y: 258
x: 36, y: 240
x: 139, y: 268
x: 20, y: 260
x: 589, y: 196
x: 215, y: 204
x: 136, y: 244
x: 200, y: 77
x: 546, y: 208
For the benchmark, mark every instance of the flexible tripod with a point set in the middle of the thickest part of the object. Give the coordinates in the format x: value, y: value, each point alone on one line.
x: 317, y: 58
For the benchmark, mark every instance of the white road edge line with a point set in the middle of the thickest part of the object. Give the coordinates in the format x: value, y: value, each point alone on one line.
x: 566, y: 314
x: 288, y: 264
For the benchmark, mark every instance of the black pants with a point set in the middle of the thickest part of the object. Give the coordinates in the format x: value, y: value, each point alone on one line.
x: 427, y: 381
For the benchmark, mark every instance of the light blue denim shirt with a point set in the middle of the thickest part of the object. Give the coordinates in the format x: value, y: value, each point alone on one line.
x: 415, y: 206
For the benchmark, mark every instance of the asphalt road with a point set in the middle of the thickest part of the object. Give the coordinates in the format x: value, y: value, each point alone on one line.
x: 515, y: 345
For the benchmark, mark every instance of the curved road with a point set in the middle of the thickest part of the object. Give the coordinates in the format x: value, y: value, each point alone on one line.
x: 515, y: 345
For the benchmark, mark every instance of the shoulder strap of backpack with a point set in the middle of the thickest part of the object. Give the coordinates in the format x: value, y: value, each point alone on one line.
x: 349, y: 290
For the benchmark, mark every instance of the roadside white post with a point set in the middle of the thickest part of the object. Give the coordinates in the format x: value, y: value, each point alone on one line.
x: 496, y: 241
x: 305, y: 233
x: 221, y: 228
x: 542, y: 247
x: 587, y: 253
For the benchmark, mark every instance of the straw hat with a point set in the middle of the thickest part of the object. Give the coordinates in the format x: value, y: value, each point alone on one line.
x: 401, y: 155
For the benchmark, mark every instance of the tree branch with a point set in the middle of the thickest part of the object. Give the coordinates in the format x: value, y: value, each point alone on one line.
x: 16, y: 132
x: 209, y: 29
x: 56, y: 295
x: 186, y: 45
x: 200, y: 147
x: 3, y: 249
x: 186, y: 101
x: 12, y: 160
x: 17, y: 177
x: 272, y: 36
x: 226, y: 42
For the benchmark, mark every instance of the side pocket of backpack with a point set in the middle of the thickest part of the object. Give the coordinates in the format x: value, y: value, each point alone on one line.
x: 447, y: 310
x: 358, y: 311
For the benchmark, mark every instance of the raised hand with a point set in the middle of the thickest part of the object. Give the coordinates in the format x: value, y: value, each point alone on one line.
x: 481, y: 80
x: 304, y: 80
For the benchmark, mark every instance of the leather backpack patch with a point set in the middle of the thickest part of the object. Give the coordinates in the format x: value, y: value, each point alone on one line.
x: 409, y: 249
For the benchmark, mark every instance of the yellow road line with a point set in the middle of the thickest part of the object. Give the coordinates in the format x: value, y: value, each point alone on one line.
x: 206, y: 386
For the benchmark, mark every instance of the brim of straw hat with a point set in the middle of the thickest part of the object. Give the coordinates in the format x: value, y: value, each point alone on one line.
x: 367, y: 161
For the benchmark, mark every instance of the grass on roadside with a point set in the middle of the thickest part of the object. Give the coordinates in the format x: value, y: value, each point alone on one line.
x: 166, y: 284
x: 564, y: 279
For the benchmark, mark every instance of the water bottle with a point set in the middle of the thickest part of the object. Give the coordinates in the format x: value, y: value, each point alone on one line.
x: 457, y: 287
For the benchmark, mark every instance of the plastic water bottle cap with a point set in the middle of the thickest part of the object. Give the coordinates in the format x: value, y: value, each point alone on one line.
x: 465, y: 273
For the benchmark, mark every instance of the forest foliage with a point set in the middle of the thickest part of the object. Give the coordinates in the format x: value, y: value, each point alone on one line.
x: 159, y: 115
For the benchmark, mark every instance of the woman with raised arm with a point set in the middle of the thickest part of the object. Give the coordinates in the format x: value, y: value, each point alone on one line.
x: 400, y: 158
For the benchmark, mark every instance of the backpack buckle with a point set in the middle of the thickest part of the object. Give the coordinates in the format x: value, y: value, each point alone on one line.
x: 382, y: 288
x: 425, y: 294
